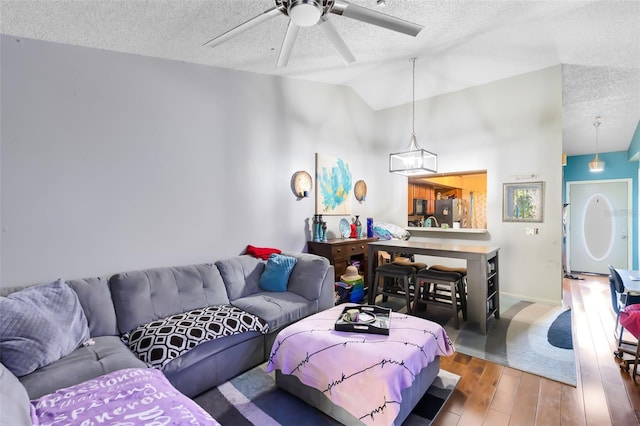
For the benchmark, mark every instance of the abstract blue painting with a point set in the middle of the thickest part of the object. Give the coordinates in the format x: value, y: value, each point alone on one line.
x: 333, y: 186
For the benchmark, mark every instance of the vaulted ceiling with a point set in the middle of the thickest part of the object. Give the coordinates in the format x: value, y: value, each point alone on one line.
x: 463, y: 44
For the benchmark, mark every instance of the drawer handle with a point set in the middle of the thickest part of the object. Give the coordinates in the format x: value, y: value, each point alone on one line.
x: 353, y: 249
x: 339, y: 250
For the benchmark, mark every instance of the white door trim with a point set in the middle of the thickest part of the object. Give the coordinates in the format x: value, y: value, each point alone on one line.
x: 567, y: 242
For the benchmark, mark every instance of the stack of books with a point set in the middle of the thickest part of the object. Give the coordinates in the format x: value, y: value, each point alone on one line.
x: 350, y: 291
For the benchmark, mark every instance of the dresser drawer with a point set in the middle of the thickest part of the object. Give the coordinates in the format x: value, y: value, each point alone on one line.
x: 342, y: 253
x: 346, y: 250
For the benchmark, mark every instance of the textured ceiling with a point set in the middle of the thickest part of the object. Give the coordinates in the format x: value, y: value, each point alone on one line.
x: 463, y: 44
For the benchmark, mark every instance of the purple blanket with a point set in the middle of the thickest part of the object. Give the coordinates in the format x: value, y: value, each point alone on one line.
x: 134, y: 396
x: 362, y: 373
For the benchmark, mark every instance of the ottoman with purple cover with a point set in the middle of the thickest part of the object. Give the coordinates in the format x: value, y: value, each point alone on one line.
x: 359, y: 378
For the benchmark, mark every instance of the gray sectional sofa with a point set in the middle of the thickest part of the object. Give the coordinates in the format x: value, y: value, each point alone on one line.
x: 132, y: 301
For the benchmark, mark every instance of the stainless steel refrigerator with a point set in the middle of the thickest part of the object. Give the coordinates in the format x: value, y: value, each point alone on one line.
x: 450, y: 211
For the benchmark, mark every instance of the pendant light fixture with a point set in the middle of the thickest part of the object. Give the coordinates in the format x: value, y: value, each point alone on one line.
x: 413, y: 160
x: 596, y: 165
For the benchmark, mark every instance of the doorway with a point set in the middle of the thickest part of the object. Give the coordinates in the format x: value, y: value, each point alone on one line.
x: 598, y: 225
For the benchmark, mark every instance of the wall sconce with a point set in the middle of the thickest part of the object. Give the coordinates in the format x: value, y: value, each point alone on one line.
x: 301, y: 184
x: 360, y: 190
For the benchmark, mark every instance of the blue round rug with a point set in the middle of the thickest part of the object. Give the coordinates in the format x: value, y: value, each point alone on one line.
x: 559, y: 334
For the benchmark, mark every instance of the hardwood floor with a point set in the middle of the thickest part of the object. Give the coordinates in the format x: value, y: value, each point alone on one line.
x: 493, y: 395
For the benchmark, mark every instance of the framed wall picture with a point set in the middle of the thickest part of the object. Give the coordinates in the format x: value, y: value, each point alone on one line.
x: 333, y: 186
x: 523, y: 202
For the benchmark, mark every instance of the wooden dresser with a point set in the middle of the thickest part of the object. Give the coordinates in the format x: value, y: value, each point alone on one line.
x: 341, y: 252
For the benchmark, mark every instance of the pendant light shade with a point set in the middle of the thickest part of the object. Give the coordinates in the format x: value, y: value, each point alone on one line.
x: 596, y: 165
x: 413, y: 160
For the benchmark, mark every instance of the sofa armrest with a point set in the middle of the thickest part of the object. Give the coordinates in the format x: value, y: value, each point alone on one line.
x: 327, y: 294
x: 312, y: 278
x: 16, y: 407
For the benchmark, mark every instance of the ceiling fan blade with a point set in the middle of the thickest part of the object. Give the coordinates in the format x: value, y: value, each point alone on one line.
x: 336, y: 41
x: 287, y: 44
x: 363, y: 14
x: 265, y: 16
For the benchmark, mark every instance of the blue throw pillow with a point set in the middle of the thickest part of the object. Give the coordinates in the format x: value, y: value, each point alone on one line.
x: 276, y: 274
x: 40, y: 325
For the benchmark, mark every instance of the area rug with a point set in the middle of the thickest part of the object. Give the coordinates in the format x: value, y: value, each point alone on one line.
x: 253, y: 398
x: 531, y: 337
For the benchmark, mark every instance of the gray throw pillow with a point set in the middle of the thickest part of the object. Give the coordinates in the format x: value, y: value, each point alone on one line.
x: 40, y: 325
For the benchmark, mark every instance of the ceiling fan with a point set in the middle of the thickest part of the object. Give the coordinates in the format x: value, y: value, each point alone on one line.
x: 306, y: 13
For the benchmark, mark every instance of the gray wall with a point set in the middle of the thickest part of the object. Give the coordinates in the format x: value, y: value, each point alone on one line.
x: 112, y: 162
x: 513, y: 129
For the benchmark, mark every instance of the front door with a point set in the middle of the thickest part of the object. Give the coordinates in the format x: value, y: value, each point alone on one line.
x: 598, y: 226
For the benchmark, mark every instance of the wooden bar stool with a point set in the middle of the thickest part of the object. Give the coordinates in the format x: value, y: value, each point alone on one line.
x: 445, y: 288
x: 462, y: 271
x: 402, y: 273
x: 441, y: 287
x: 407, y: 261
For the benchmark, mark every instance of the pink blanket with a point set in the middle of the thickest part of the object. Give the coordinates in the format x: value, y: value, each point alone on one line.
x: 362, y: 373
x: 134, y: 396
x: 630, y: 319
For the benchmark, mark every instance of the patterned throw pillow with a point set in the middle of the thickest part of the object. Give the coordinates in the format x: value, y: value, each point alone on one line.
x: 158, y: 342
x: 276, y: 273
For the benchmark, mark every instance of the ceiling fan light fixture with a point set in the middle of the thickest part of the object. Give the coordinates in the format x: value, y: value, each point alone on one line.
x: 596, y: 165
x: 305, y: 13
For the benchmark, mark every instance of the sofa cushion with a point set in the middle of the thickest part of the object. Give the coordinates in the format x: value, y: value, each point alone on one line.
x: 14, y: 400
x: 275, y: 276
x: 95, y: 298
x: 308, y: 275
x: 106, y: 354
x: 221, y: 358
x: 40, y: 325
x: 159, y: 342
x: 140, y: 297
x: 241, y: 275
x: 278, y: 309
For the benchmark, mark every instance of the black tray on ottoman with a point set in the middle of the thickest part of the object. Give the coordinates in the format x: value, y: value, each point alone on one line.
x: 371, y: 319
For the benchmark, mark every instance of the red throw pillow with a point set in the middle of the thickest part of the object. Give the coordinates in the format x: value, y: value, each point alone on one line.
x: 262, y: 252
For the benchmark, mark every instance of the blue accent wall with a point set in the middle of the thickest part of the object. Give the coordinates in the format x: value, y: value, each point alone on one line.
x: 634, y: 147
x: 617, y: 166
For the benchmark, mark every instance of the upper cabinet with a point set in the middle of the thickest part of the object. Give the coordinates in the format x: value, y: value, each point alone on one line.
x: 469, y: 189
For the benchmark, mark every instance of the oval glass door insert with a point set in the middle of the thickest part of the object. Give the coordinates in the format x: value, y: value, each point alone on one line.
x: 599, y: 227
